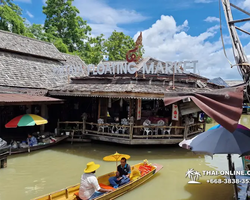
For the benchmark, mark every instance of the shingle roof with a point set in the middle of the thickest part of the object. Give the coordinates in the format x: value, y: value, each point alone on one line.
x: 13, y: 42
x: 74, y: 60
x: 23, y: 71
x: 126, y: 87
x: 14, y: 98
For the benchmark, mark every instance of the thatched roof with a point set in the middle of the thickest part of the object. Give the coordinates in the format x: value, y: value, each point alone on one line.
x: 30, y: 72
x: 128, y: 87
x: 20, y: 44
x: 74, y: 60
x: 31, y: 63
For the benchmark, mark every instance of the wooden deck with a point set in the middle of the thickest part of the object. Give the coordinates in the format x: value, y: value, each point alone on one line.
x: 131, y: 135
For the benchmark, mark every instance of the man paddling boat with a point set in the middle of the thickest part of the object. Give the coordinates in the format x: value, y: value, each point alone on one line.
x: 89, y: 187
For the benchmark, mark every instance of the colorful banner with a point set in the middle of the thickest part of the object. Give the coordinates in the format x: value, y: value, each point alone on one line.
x: 138, y: 109
x: 246, y: 163
x: 175, y: 112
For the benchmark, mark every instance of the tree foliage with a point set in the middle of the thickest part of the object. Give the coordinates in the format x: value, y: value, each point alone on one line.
x: 63, y: 22
x: 67, y: 31
x: 10, y: 17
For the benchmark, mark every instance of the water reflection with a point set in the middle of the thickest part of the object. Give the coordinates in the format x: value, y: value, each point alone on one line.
x: 31, y: 175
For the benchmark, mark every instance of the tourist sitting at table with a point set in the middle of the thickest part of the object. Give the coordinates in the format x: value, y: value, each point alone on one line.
x: 122, y: 170
x: 32, y: 140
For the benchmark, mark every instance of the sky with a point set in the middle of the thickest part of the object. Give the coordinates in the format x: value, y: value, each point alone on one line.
x: 172, y: 30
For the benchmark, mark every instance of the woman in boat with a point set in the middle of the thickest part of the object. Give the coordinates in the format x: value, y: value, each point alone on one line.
x: 89, y: 187
x: 32, y: 140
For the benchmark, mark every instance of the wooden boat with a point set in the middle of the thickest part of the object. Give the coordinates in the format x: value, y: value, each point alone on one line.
x: 38, y: 147
x: 4, y: 150
x: 69, y: 192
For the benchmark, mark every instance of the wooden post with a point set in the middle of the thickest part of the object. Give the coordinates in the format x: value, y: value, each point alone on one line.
x: 185, y: 132
x: 43, y: 114
x: 58, y: 128
x: 99, y: 108
x: 131, y: 127
x: 136, y: 121
x: 84, y: 117
x: 3, y: 162
x: 204, y: 126
x: 105, y: 109
x: 131, y: 108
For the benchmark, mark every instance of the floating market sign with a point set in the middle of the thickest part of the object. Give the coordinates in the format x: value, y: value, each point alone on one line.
x: 128, y: 68
x: 153, y: 68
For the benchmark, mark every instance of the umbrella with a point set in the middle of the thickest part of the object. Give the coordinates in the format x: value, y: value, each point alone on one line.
x: 26, y: 120
x: 221, y: 141
x: 238, y: 126
x: 116, y: 157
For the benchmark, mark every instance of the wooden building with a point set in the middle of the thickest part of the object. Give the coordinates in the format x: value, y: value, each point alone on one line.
x: 129, y: 108
x: 27, y: 72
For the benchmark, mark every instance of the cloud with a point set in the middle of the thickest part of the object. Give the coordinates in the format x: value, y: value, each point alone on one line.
x: 29, y: 14
x: 246, y: 4
x: 167, y: 41
x: 212, y: 19
x: 23, y: 1
x: 104, y: 18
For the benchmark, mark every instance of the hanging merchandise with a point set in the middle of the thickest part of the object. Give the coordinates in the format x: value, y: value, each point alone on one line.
x: 109, y: 104
x: 175, y: 112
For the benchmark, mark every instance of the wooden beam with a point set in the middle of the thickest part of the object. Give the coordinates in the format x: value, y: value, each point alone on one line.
x: 240, y: 9
x: 128, y: 95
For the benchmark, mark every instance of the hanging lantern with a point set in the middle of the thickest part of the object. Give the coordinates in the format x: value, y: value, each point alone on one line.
x: 109, y: 104
x: 121, y: 103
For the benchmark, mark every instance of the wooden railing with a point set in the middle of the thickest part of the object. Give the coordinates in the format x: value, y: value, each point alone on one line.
x: 157, y: 132
x: 115, y: 130
x: 130, y: 131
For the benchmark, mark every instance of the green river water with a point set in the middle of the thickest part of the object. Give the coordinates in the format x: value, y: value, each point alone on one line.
x: 37, y: 173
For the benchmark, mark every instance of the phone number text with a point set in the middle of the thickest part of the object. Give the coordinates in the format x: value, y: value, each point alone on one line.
x: 228, y: 181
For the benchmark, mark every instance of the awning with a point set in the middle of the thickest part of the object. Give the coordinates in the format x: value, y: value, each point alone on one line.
x: 223, y: 105
x: 18, y: 99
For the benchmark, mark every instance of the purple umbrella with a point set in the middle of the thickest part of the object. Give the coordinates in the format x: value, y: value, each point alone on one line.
x: 238, y: 127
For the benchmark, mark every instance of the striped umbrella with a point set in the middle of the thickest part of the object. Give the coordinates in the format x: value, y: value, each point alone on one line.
x: 26, y: 120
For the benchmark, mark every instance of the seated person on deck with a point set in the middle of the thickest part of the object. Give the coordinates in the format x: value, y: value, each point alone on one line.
x: 123, y: 172
x: 32, y: 140
x: 89, y: 187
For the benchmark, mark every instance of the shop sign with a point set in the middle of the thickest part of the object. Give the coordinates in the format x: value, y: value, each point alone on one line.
x: 138, y: 109
x: 127, y: 68
x: 175, y: 112
x: 153, y: 68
